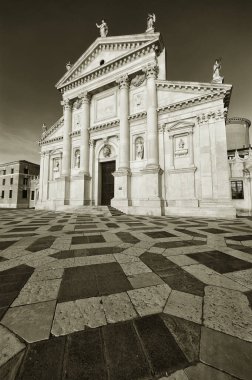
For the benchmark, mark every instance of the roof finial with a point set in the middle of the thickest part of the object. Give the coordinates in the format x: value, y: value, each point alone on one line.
x: 68, y: 66
x: 150, y: 23
x: 103, y: 28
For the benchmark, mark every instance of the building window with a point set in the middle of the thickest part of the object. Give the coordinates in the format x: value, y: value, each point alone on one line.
x: 2, y: 195
x: 3, y: 181
x: 237, y: 189
x: 12, y: 170
x: 4, y: 171
x: 25, y: 194
x: 25, y: 181
x: 25, y: 170
x: 10, y: 193
x: 11, y: 181
x: 32, y: 195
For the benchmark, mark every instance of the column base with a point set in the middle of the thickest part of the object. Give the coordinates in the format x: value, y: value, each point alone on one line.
x: 122, y: 186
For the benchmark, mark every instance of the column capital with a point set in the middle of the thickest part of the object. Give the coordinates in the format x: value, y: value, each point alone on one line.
x: 151, y: 70
x: 66, y: 103
x: 84, y: 97
x: 123, y: 82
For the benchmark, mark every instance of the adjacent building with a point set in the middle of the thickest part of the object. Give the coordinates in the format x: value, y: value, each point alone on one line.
x: 17, y: 184
x: 133, y: 139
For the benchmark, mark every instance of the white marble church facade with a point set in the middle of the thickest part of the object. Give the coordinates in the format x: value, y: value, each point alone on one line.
x: 130, y: 138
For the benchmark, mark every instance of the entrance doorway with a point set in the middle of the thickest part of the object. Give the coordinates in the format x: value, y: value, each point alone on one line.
x: 107, y: 182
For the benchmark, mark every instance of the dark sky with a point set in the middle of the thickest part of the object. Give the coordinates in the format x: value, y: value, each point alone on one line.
x: 37, y: 38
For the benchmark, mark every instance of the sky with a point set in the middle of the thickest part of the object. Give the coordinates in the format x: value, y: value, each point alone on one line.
x: 37, y: 39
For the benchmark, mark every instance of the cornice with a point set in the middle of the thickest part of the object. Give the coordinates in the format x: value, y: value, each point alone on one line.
x: 139, y: 115
x: 150, y: 46
x: 45, y: 142
x: 75, y: 133
x: 52, y: 129
x: 102, y: 126
x: 211, y: 115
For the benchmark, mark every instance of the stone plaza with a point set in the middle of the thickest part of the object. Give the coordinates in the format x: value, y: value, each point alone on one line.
x: 104, y: 295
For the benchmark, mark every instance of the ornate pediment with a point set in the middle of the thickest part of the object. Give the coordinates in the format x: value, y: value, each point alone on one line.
x: 106, y: 54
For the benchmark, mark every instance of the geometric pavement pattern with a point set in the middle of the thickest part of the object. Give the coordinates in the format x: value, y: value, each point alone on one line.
x: 114, y: 296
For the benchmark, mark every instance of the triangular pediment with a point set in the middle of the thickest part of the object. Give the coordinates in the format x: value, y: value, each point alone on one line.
x: 54, y: 132
x: 103, y: 52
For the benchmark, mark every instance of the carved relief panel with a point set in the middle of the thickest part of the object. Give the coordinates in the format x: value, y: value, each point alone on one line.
x: 105, y: 107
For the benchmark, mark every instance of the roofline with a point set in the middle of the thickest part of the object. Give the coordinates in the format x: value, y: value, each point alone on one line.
x: 238, y: 120
x: 18, y: 161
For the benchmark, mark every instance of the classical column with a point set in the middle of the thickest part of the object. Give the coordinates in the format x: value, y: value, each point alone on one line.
x: 84, y: 148
x: 171, y: 151
x: 66, y: 164
x: 152, y: 120
x: 191, y: 153
x: 124, y: 150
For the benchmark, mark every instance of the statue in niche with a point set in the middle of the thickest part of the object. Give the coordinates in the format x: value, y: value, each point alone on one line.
x: 139, y: 148
x: 150, y: 22
x: 77, y: 159
x: 181, y: 144
x: 106, y: 151
x: 103, y: 28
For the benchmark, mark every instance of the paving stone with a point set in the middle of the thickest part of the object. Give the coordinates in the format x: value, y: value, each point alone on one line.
x: 182, y: 260
x: 125, y: 357
x: 10, y: 346
x: 162, y: 350
x: 202, y: 371
x: 92, y: 311
x: 83, y: 350
x: 88, y: 239
x: 186, y: 334
x: 143, y: 280
x: 9, y: 370
x: 178, y: 375
x: 43, y: 360
x: 126, y: 237
x: 118, y: 308
x: 210, y: 277
x: 228, y: 311
x: 122, y: 258
x: 30, y: 322
x: 46, y: 275
x: 226, y: 353
x: 149, y: 300
x: 41, y: 243
x: 244, y: 277
x: 184, y: 305
x: 67, y: 319
x: 135, y: 268
x: 40, y: 291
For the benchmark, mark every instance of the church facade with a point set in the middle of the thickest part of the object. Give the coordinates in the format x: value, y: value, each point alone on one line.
x: 130, y: 138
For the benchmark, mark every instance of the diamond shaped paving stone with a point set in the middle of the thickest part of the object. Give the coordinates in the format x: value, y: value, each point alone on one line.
x: 240, y: 238
x: 126, y: 237
x: 186, y: 334
x: 162, y: 350
x: 41, y: 243
x: 23, y: 229
x: 43, y: 360
x: 159, y: 234
x: 179, y: 244
x: 124, y: 353
x: 214, y: 231
x: 220, y: 262
x: 6, y: 244
x: 88, y: 239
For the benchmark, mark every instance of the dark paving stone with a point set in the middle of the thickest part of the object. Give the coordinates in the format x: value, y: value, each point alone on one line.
x: 92, y: 281
x: 6, y: 244
x: 126, y: 237
x: 88, y: 239
x: 162, y: 350
x: 6, y: 299
x: 191, y: 233
x: 125, y: 357
x: 135, y: 224
x: 220, y: 262
x: 186, y: 334
x: 87, y: 252
x: 3, y: 259
x: 178, y: 244
x: 159, y: 234
x: 240, y: 238
x: 227, y: 353
x: 241, y: 248
x: 18, y: 235
x: 84, y: 226
x: 56, y: 228
x: 10, y: 369
x: 85, y: 358
x: 23, y: 229
x: 143, y: 228
x: 172, y: 274
x: 43, y: 360
x: 214, y: 231
x: 2, y: 311
x: 112, y: 225
x: 41, y: 243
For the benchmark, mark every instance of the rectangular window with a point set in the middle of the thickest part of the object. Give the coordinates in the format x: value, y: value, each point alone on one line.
x: 2, y: 195
x: 25, y: 181
x: 4, y: 181
x: 237, y: 189
x: 4, y: 171
x: 25, y: 194
x: 32, y: 195
x: 10, y: 193
x: 25, y: 170
x: 11, y: 181
x: 12, y: 170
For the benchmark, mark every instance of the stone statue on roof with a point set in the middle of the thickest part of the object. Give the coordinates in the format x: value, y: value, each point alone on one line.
x: 150, y: 22
x: 103, y: 28
x: 217, y: 78
x: 44, y: 129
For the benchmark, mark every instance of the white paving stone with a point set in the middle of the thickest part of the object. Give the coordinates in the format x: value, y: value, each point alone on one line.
x: 184, y: 305
x: 118, y: 307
